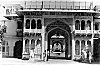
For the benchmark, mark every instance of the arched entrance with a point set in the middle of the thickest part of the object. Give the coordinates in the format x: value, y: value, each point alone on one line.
x: 59, y: 41
x: 18, y: 49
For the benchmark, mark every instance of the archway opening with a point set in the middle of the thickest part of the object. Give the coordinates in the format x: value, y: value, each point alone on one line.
x: 59, y: 45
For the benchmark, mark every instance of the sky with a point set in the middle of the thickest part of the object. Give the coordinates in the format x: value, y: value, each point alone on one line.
x: 95, y: 2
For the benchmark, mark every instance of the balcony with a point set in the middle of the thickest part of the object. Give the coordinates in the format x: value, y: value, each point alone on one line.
x: 63, y: 5
x: 33, y: 30
x: 96, y: 31
x: 83, y: 31
x: 89, y: 31
x: 26, y: 30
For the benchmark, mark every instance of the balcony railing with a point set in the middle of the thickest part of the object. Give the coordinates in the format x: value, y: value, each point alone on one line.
x: 96, y: 31
x: 83, y: 31
x: 67, y: 5
x: 33, y: 30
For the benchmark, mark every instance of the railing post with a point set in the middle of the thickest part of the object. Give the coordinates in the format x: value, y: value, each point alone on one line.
x: 66, y: 4
x: 73, y: 4
x: 36, y: 4
x: 79, y: 5
x: 25, y: 4
x: 85, y: 4
x: 42, y: 5
x: 55, y: 4
x: 60, y: 4
x: 49, y: 4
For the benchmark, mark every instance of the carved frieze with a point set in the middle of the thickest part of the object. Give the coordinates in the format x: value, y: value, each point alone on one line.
x: 40, y: 13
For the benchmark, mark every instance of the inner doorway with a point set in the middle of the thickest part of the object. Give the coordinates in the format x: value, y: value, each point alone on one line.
x: 59, y: 46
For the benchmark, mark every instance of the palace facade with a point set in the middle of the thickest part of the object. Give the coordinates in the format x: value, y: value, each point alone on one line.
x: 50, y: 29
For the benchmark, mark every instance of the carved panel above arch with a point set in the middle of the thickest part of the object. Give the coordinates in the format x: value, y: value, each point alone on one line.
x: 63, y: 23
x: 68, y: 21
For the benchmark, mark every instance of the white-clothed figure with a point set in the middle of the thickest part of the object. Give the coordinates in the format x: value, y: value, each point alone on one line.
x: 84, y: 52
x: 31, y: 54
x: 89, y: 53
x: 37, y: 49
x: 90, y: 57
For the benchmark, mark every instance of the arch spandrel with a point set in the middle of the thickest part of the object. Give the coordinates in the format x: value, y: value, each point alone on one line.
x: 67, y: 21
x: 59, y: 24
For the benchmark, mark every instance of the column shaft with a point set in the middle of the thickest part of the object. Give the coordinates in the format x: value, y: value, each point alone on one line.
x: 42, y: 45
x: 80, y: 47
x: 73, y: 48
x: 23, y: 46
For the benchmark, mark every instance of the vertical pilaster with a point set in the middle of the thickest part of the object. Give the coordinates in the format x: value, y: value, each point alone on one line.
x: 29, y: 45
x: 24, y: 23
x: 73, y: 48
x: 43, y: 38
x: 86, y: 27
x: 23, y: 46
x: 73, y: 40
x: 42, y: 45
x: 80, y: 24
x: 46, y: 51
x: 23, y: 38
x: 73, y: 23
x: 92, y: 24
x: 35, y: 50
x: 92, y: 45
x: 92, y: 35
x: 80, y: 47
x: 69, y: 50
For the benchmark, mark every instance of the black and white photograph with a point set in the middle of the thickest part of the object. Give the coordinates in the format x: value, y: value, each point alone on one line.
x: 49, y: 32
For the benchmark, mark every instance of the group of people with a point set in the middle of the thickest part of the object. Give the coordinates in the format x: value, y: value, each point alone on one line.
x: 86, y: 54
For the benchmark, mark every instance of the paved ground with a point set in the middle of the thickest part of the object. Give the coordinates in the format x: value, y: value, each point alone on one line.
x: 14, y: 61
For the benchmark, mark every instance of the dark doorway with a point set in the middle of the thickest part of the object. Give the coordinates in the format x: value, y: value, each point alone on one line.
x: 96, y: 50
x: 18, y: 49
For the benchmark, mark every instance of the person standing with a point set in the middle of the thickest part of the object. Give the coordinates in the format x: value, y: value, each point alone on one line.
x: 84, y: 53
x: 89, y: 54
